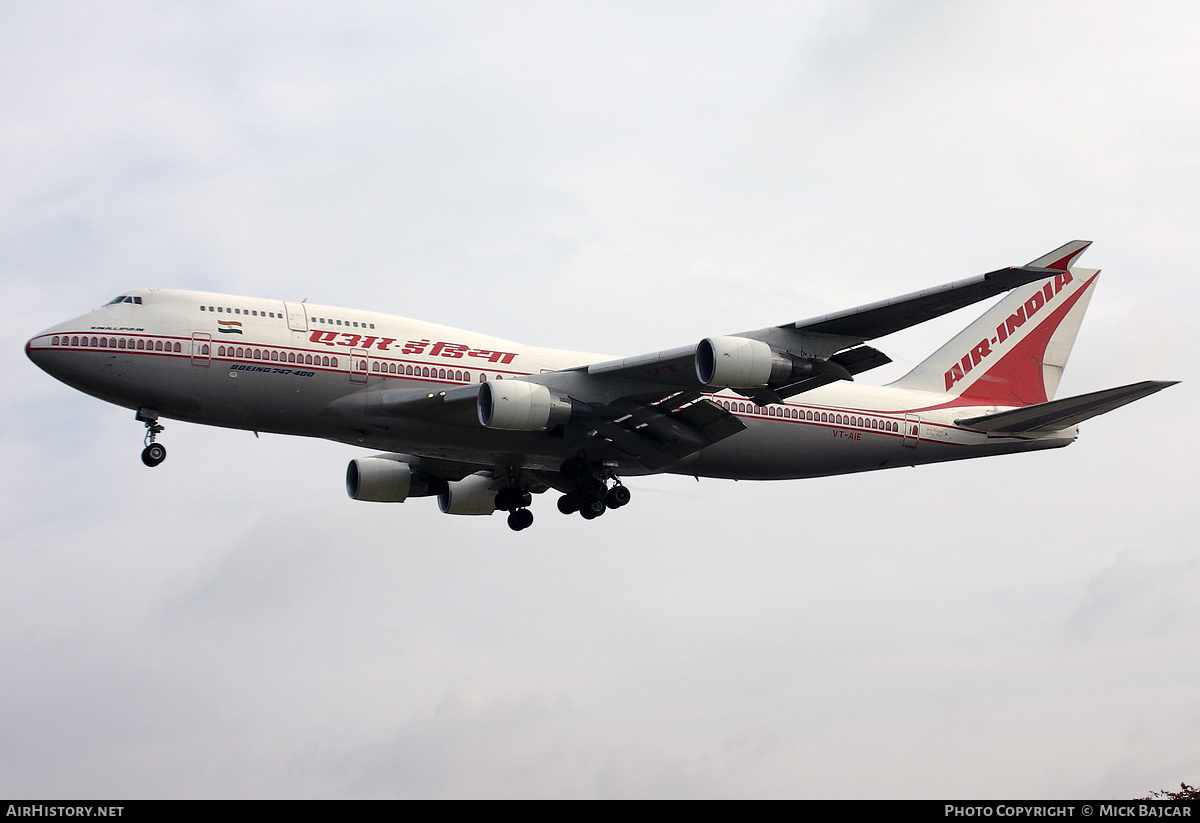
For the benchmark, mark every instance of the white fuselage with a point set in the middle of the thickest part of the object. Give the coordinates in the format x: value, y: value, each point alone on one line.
x: 266, y: 365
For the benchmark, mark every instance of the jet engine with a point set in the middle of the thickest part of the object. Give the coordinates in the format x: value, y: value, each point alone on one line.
x: 737, y: 362
x: 471, y: 495
x: 520, y: 406
x: 743, y: 363
x: 383, y: 480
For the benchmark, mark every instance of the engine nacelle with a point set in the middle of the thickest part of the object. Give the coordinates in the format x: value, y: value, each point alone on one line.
x: 471, y: 495
x: 383, y: 480
x: 734, y: 362
x: 520, y: 406
x: 742, y: 363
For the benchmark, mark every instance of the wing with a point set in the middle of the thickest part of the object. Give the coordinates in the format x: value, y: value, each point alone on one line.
x: 650, y: 408
x: 887, y: 316
x: 823, y: 349
x: 621, y: 421
x: 454, y: 407
x: 657, y: 433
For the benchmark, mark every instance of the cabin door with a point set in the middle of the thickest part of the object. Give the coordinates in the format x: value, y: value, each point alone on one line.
x: 201, y: 349
x: 296, y: 316
x: 359, y: 362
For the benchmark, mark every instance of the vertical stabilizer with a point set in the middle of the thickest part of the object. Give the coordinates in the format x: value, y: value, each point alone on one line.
x: 1014, y: 355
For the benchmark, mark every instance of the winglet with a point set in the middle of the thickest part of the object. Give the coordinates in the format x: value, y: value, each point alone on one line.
x: 1063, y: 257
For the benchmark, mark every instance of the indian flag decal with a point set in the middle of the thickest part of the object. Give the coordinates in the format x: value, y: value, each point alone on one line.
x: 229, y: 326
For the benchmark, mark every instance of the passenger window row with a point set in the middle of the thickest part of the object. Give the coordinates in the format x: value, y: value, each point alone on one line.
x: 814, y: 416
x: 425, y: 371
x: 329, y: 321
x: 100, y: 342
x: 276, y: 356
x: 251, y: 312
x: 279, y: 315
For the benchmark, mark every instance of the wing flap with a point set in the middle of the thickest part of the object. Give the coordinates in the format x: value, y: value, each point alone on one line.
x: 665, y: 430
x: 1059, y: 414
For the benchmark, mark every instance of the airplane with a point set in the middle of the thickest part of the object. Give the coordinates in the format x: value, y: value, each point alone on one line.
x: 484, y: 423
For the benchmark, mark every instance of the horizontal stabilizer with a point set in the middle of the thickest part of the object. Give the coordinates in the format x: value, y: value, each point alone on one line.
x: 1059, y: 414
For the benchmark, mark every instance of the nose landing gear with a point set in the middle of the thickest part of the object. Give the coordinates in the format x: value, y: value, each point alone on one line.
x: 154, y: 453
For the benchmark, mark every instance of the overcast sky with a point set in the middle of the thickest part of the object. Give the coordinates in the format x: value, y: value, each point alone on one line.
x: 621, y: 178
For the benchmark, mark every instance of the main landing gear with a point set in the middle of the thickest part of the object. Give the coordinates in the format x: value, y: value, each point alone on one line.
x: 154, y: 453
x: 516, y: 502
x: 591, y: 495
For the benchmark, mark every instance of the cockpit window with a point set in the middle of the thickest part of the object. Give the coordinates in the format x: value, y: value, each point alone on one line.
x: 125, y: 298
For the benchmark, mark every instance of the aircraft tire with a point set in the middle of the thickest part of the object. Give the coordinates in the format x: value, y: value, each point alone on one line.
x: 591, y: 509
x: 520, y: 519
x: 568, y: 504
x: 154, y: 454
x: 617, y: 497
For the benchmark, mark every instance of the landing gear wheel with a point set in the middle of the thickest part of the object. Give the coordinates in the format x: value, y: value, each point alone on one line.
x: 587, y: 488
x: 154, y: 454
x: 617, y: 497
x: 520, y: 519
x: 591, y: 509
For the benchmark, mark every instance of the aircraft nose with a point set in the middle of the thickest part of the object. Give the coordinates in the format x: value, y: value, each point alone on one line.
x: 40, y: 350
x: 36, y: 353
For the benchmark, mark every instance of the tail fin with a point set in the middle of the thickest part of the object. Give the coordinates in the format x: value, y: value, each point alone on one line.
x: 1014, y: 355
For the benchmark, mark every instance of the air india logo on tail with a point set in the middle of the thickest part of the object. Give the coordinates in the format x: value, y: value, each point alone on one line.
x: 229, y: 326
x: 983, y: 350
